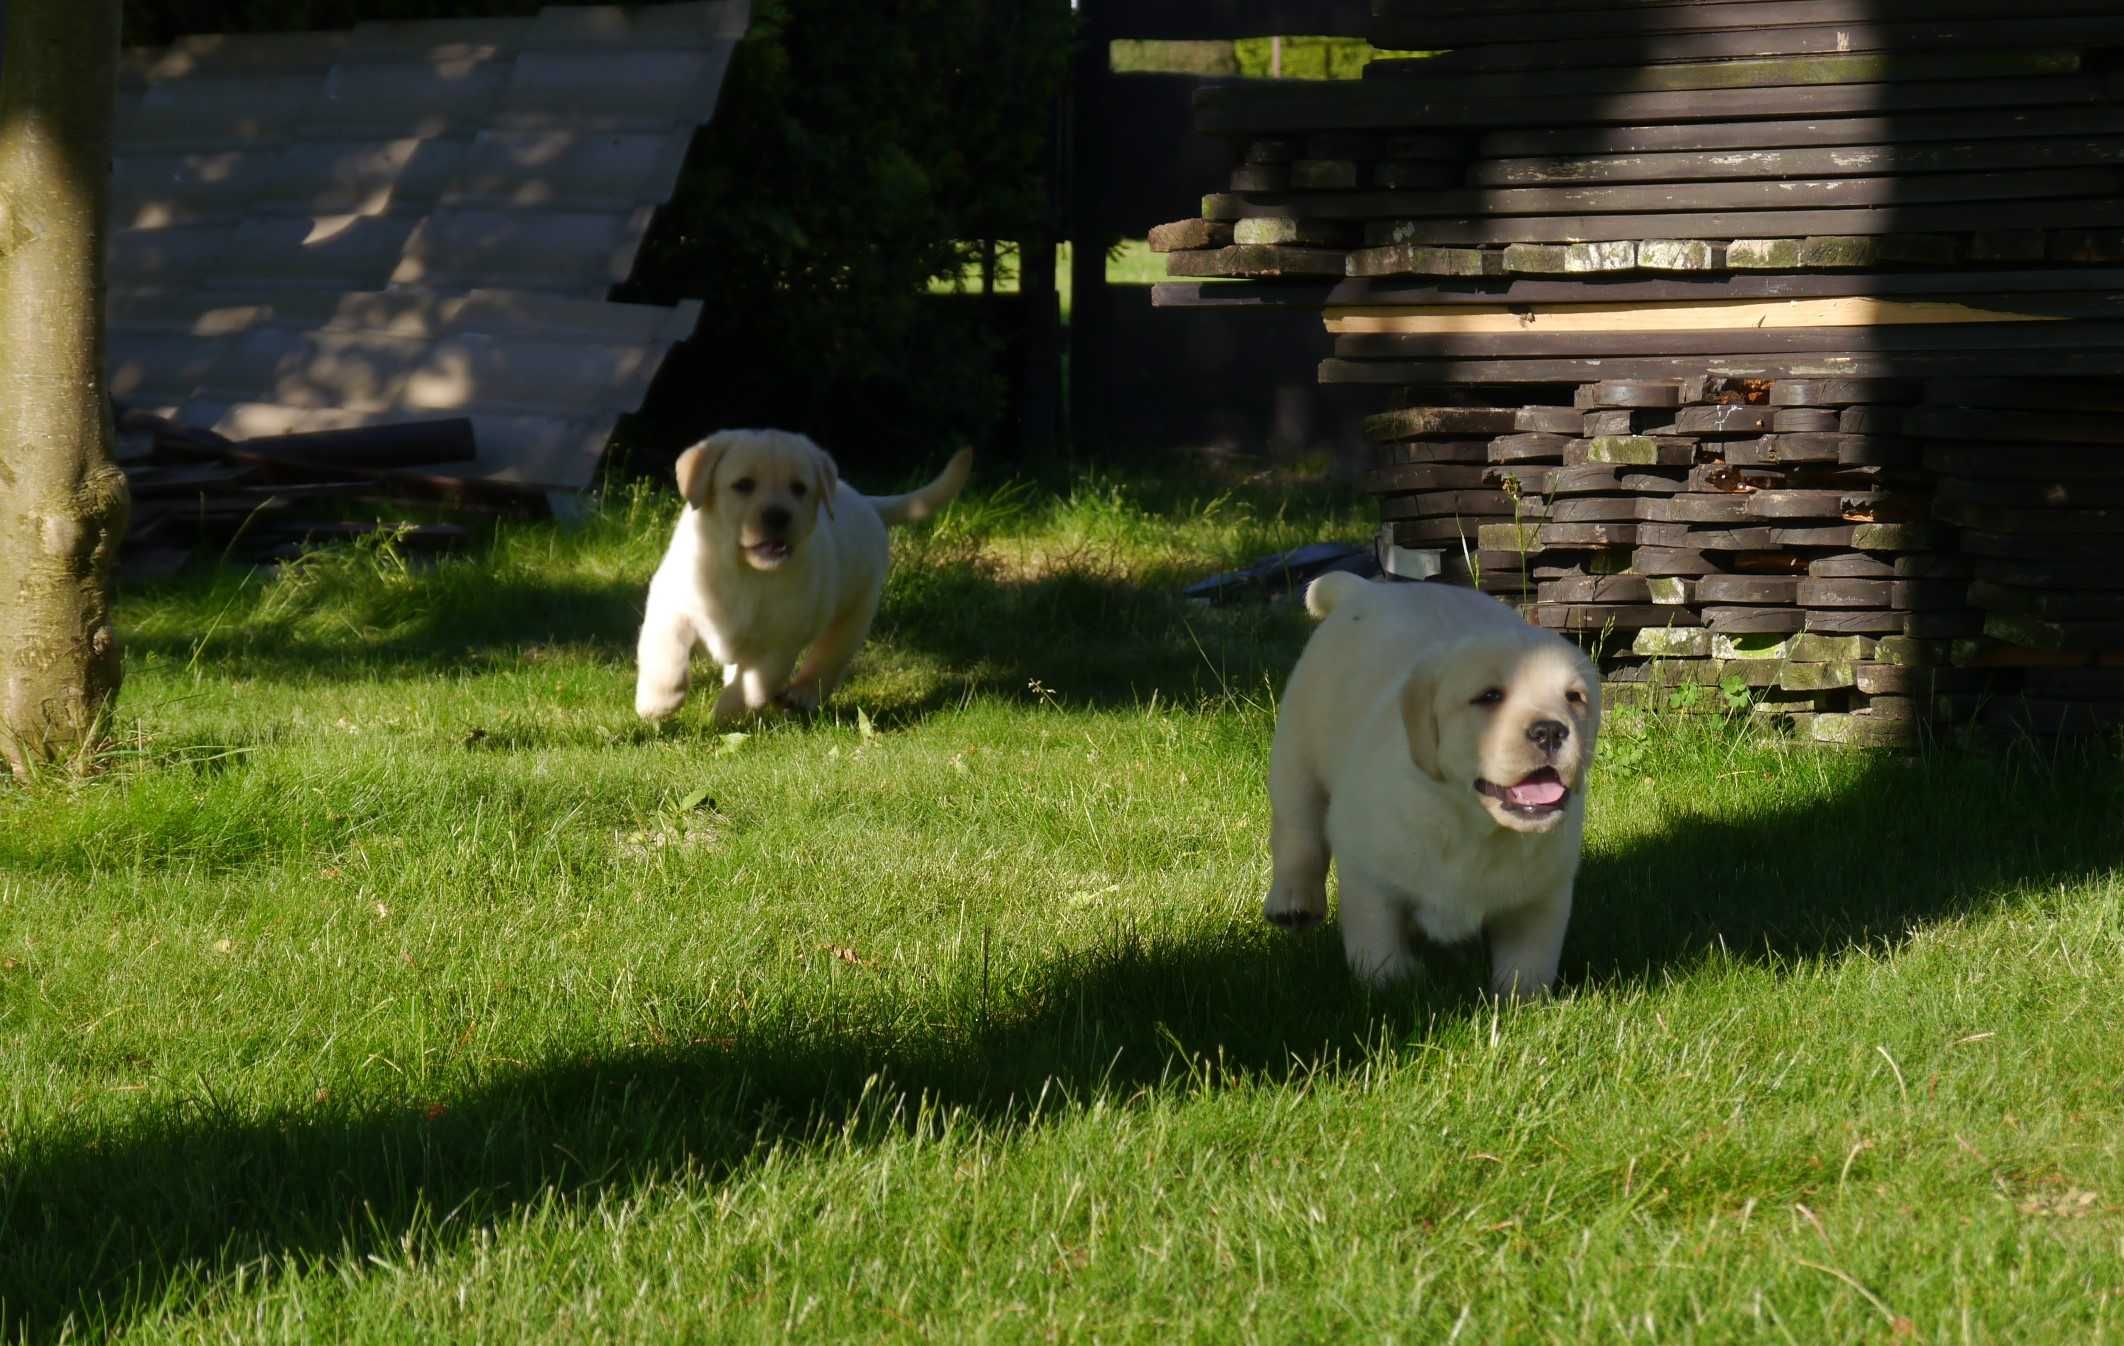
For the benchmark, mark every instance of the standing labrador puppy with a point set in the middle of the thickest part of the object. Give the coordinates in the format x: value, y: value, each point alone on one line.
x: 1437, y: 747
x: 774, y: 558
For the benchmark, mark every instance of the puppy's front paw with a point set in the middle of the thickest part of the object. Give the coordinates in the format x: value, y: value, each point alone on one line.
x: 654, y: 704
x: 799, y: 698
x: 1382, y: 968
x: 1295, y: 906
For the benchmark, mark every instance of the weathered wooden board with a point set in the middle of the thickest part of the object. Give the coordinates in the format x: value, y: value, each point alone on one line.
x: 1888, y: 160
x: 1599, y: 479
x: 1863, y: 127
x: 1836, y: 593
x: 1562, y: 535
x: 1456, y: 370
x: 1598, y: 589
x: 1630, y: 451
x: 1726, y: 419
x: 1281, y: 231
x: 1751, y: 620
x: 1840, y: 392
x: 1768, y: 70
x: 1721, y: 508
x: 1486, y: 504
x: 1279, y: 294
x: 1671, y: 561
x: 1852, y: 622
x: 1725, y: 315
x: 1425, y: 477
x: 1327, y: 105
x: 2094, y: 208
x: 1548, y: 420
x: 1437, y: 451
x: 2021, y: 425
x: 1799, y: 420
x: 2036, y: 574
x: 1974, y: 336
x: 2046, y: 521
x: 1421, y: 259
x: 2103, y: 492
x: 1602, y: 509
x: 2019, y: 462
x: 1532, y: 447
x: 1603, y: 616
x: 2030, y: 394
x: 1625, y: 47
x: 1409, y: 25
x: 1256, y: 261
x: 1408, y: 422
x: 1975, y: 286
x: 2089, y: 549
x: 1819, y: 504
x: 1183, y: 235
x: 1746, y: 589
x: 1791, y: 195
x: 1851, y: 565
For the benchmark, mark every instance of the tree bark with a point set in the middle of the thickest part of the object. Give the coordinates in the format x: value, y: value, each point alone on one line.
x: 63, y: 502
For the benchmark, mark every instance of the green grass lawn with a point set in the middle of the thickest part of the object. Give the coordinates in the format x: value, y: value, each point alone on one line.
x: 395, y: 984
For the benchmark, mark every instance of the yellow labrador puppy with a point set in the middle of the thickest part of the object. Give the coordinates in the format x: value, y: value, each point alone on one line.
x: 1436, y: 746
x: 774, y: 558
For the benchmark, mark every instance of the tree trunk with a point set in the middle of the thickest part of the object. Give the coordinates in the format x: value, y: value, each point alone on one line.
x: 63, y: 503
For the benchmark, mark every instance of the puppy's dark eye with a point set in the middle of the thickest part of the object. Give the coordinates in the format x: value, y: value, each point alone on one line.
x: 1491, y: 696
x: 796, y: 488
x: 743, y: 485
x: 1575, y: 697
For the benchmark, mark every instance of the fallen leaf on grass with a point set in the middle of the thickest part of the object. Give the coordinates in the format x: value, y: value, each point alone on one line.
x: 848, y: 956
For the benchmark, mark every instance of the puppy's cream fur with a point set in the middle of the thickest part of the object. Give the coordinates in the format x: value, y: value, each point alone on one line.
x: 1424, y: 742
x: 775, y: 558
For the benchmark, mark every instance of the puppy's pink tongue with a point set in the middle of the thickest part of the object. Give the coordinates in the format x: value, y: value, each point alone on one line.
x: 1536, y: 791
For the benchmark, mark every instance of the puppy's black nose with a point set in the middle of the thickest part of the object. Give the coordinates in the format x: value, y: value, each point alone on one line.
x: 774, y: 518
x: 1549, y: 734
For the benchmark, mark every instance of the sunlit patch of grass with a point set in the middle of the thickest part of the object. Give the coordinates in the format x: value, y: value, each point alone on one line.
x: 393, y: 981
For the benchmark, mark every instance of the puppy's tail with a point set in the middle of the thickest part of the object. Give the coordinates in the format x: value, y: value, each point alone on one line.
x: 1323, y: 594
x: 918, y: 505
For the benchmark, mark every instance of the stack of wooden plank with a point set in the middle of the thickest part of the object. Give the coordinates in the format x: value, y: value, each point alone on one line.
x: 199, y: 496
x: 1696, y: 531
x: 1705, y: 319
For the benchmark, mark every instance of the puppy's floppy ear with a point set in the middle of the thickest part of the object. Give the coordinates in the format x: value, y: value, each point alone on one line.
x: 696, y: 469
x: 825, y: 478
x: 1419, y: 719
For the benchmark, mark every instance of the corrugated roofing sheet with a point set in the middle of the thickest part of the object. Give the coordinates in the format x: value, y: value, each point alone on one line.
x: 317, y: 230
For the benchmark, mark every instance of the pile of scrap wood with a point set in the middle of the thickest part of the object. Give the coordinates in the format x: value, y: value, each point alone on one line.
x: 200, y: 496
x: 1764, y: 340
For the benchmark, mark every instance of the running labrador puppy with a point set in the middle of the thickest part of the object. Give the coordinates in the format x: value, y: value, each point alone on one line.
x: 1436, y: 746
x: 775, y: 558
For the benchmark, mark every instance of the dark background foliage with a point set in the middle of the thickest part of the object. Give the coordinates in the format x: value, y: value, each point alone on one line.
x: 860, y: 149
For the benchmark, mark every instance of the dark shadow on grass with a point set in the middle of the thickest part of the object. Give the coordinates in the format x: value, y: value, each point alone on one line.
x: 1900, y: 844
x: 94, y: 1226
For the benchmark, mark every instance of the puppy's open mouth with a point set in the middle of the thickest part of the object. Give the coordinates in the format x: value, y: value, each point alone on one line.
x: 1539, y: 794
x: 772, y: 552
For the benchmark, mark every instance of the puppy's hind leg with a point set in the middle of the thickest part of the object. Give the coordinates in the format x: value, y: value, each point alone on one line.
x: 827, y: 661
x: 1298, y: 856
x: 661, y: 659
